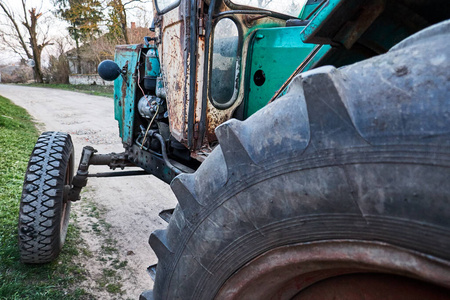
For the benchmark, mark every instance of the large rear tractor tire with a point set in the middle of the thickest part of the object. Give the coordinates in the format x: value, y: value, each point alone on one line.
x: 338, y: 189
x: 44, y: 207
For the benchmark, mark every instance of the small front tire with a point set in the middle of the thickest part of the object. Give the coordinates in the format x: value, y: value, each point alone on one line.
x: 44, y: 207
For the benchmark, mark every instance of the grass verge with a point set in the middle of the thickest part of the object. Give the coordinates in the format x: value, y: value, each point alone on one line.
x: 97, y: 90
x: 57, y: 280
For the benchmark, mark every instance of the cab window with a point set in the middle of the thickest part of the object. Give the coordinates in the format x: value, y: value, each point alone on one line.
x: 224, y: 69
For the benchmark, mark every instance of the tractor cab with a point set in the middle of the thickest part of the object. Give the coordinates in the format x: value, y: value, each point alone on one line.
x: 207, y: 62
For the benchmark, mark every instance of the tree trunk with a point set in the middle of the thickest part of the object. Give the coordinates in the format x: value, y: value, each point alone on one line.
x: 35, y: 47
x: 77, y: 46
x: 123, y: 22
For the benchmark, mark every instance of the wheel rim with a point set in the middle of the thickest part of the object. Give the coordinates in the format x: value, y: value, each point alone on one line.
x: 371, y: 286
x: 300, y: 271
x: 66, y: 202
x: 64, y: 207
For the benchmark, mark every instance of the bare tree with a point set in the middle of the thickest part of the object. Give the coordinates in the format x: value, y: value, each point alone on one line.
x: 143, y: 18
x: 117, y: 23
x: 26, y: 37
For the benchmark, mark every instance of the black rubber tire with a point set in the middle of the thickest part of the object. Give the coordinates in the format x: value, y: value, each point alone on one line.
x: 44, y: 210
x: 361, y: 153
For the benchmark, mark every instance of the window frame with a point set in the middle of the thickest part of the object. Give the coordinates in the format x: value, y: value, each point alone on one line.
x: 238, y: 66
x: 167, y: 8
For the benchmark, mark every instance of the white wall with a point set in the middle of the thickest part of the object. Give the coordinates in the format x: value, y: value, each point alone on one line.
x: 88, y: 79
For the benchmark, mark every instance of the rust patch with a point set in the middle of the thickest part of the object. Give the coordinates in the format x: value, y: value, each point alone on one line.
x: 149, y: 65
x: 214, y: 118
x: 352, y: 30
x: 122, y: 99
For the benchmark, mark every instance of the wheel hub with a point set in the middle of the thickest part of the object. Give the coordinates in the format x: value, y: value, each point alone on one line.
x: 289, y: 272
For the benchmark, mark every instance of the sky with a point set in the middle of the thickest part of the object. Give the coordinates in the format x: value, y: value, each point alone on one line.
x: 58, y: 28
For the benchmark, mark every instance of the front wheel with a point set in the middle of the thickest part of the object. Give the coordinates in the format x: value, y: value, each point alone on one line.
x: 44, y: 206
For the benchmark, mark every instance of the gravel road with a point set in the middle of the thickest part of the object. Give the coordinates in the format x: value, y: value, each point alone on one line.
x: 126, y: 207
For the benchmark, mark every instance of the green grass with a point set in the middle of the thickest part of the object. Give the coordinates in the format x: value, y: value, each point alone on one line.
x: 57, y: 280
x: 97, y: 90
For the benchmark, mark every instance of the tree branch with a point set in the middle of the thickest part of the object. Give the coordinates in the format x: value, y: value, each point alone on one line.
x: 11, y: 47
x: 16, y: 27
x: 24, y: 2
x: 131, y: 1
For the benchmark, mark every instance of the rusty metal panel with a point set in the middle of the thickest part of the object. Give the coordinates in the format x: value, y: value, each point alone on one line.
x: 127, y: 57
x: 172, y: 49
x: 201, y: 58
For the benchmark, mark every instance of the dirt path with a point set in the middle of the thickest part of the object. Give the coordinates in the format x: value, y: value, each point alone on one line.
x: 116, y: 215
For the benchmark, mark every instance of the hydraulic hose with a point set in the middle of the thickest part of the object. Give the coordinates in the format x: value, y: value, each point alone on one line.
x: 164, y: 153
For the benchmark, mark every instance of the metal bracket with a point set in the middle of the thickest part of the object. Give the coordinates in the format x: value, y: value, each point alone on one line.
x: 88, y: 157
x: 201, y: 25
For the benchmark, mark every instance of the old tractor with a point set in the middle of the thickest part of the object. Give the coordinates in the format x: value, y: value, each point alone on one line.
x: 307, y: 143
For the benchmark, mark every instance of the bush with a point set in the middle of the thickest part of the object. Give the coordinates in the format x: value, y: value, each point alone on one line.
x: 58, y: 70
x: 21, y: 74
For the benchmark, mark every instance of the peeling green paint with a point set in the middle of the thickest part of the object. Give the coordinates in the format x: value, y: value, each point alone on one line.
x: 319, y: 18
x: 126, y: 56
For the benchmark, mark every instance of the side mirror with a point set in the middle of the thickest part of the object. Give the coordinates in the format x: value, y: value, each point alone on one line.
x: 109, y: 70
x: 31, y: 63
